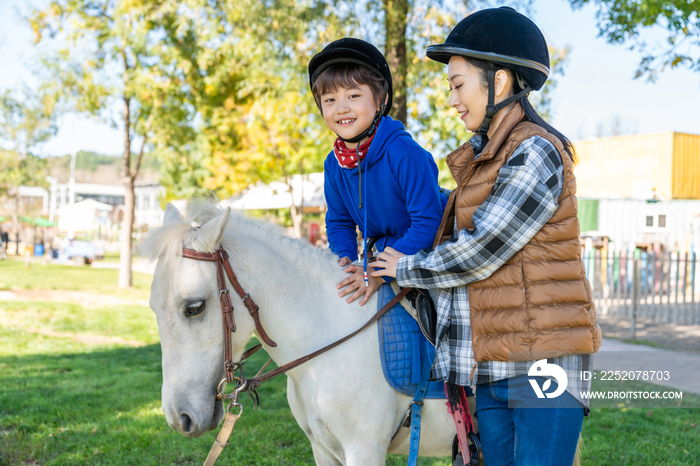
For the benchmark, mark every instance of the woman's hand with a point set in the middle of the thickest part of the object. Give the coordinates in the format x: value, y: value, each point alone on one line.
x: 386, y: 263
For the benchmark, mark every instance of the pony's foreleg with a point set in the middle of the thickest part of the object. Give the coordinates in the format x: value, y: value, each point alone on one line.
x: 323, y: 457
x: 357, y: 454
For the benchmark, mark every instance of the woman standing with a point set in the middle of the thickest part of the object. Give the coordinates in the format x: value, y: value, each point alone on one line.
x: 514, y: 301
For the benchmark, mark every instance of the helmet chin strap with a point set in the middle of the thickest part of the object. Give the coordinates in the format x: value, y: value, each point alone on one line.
x: 358, y: 139
x: 365, y: 133
x: 492, y: 110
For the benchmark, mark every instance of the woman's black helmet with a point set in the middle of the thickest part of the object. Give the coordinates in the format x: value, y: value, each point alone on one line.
x: 503, y: 36
x: 357, y: 51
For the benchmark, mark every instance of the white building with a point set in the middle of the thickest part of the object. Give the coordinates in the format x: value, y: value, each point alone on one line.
x: 675, y: 224
x: 277, y: 195
x: 61, y: 198
x: 34, y: 198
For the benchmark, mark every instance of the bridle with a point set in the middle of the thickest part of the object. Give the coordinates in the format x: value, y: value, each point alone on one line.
x: 220, y: 257
x: 223, y: 270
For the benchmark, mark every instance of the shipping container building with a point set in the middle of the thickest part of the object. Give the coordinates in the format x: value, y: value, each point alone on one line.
x: 641, y: 190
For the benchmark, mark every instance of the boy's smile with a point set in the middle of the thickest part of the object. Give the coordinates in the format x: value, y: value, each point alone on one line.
x: 349, y: 111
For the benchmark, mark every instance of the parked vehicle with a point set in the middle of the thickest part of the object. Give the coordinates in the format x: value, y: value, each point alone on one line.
x: 85, y: 250
x: 99, y: 251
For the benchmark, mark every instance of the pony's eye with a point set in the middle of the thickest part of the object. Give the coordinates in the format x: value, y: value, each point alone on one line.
x: 194, y: 308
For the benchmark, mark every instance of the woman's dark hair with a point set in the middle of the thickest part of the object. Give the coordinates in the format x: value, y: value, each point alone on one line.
x: 530, y: 111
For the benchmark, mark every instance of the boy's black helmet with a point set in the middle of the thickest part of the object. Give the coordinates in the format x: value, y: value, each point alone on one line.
x: 500, y: 35
x: 357, y: 51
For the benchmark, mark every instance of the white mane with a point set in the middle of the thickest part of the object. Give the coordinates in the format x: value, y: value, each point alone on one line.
x: 166, y: 242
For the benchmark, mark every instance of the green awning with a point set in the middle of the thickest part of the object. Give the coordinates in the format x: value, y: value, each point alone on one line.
x: 38, y: 221
x: 588, y: 214
x: 43, y: 222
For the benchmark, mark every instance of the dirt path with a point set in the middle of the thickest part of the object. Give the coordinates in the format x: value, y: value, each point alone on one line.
x: 615, y: 355
x: 671, y: 336
x: 82, y: 298
x: 86, y: 338
x: 86, y: 299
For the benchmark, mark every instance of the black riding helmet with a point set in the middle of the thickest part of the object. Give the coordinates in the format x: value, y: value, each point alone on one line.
x: 349, y: 50
x: 502, y: 36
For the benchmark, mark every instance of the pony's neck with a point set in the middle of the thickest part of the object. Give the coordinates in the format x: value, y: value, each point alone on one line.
x: 294, y: 285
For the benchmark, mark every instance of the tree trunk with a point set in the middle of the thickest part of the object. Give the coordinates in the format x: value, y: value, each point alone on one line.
x: 295, y: 211
x: 395, y: 24
x: 296, y: 220
x: 28, y: 247
x: 15, y: 221
x: 125, y: 280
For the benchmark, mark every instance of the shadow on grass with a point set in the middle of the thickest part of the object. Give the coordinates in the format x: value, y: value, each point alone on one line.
x: 103, y: 407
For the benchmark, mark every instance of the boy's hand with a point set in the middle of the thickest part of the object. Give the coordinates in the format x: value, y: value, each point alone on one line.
x: 356, y: 283
x: 386, y: 263
x: 344, y: 261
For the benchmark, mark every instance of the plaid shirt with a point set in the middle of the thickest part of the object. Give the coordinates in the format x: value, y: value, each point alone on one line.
x: 532, y: 175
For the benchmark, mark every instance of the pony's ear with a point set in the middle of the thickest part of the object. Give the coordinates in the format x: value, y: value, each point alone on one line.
x: 209, y: 235
x: 171, y: 215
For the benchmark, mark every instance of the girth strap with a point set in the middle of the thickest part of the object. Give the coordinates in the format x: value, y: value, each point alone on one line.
x: 416, y: 413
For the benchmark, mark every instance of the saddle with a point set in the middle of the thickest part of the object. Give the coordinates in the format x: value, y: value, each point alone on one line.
x: 404, y: 349
x: 407, y: 350
x: 423, y: 306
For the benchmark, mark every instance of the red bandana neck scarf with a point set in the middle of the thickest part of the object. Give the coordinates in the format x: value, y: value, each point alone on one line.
x: 347, y: 158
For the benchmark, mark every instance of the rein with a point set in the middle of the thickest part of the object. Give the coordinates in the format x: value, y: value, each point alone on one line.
x: 220, y: 257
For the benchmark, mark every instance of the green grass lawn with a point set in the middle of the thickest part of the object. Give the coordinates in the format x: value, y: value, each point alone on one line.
x: 14, y: 276
x: 69, y: 397
x: 111, y: 257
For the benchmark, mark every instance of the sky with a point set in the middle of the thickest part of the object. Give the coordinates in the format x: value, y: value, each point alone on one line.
x: 597, y: 87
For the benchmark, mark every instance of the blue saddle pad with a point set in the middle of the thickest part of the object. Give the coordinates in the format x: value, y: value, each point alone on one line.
x: 403, y: 349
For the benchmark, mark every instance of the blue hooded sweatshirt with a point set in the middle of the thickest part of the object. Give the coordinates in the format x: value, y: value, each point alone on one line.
x: 399, y: 190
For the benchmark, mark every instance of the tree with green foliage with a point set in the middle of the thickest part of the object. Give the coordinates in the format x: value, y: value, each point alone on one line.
x: 218, y: 90
x: 258, y: 120
x: 27, y: 118
x: 112, y: 56
x: 183, y: 173
x: 622, y: 22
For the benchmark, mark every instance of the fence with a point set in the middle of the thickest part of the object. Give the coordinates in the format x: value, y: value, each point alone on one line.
x: 656, y: 287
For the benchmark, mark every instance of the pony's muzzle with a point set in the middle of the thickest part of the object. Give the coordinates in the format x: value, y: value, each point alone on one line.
x: 185, y: 424
x: 189, y: 427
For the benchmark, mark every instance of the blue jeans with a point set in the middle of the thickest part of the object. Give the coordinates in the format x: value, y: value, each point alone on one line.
x: 522, y: 436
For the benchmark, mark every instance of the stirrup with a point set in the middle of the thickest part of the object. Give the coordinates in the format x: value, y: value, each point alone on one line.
x: 477, y: 456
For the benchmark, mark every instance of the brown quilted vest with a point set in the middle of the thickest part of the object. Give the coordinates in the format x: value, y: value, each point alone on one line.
x: 538, y: 304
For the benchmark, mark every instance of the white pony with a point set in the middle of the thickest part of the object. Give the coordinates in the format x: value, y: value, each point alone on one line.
x: 340, y: 399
